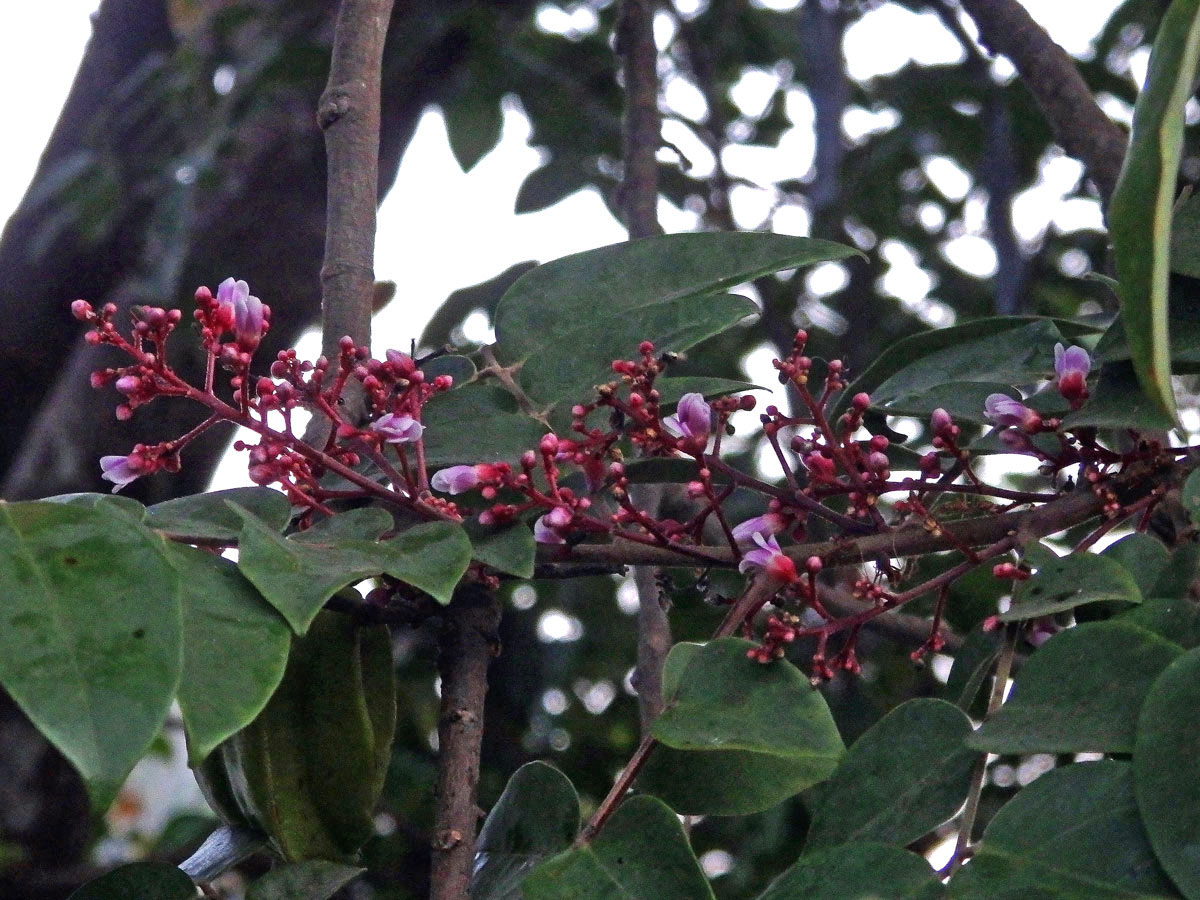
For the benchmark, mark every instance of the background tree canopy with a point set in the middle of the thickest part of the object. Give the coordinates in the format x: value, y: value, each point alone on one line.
x: 188, y: 150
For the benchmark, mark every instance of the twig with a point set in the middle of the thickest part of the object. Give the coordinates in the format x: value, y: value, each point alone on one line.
x: 467, y: 643
x: 348, y: 114
x: 1003, y: 668
x: 504, y: 375
x: 1079, y: 124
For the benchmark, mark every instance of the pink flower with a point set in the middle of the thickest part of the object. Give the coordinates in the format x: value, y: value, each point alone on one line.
x: 1005, y: 411
x: 245, y: 314
x: 766, y: 525
x: 121, y: 470
x: 455, y: 479
x: 692, y: 419
x: 544, y: 533
x: 403, y: 429
x: 1072, y: 365
x: 770, y: 559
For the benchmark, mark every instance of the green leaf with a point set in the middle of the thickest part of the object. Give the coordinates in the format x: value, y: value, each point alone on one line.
x: 1070, y: 581
x: 570, y: 368
x: 208, y: 516
x: 143, y: 880
x: 297, y: 577
x: 1190, y: 497
x: 476, y: 423
x: 746, y: 735
x: 671, y: 389
x: 1175, y: 618
x: 1165, y: 773
x: 364, y: 524
x: 860, y: 871
x: 235, y: 647
x: 1080, y: 692
x: 1139, y: 215
x: 964, y: 400
x: 89, y: 500
x: 460, y: 368
x: 972, y: 665
x: 473, y: 125
x: 509, y: 548
x: 1175, y: 579
x: 562, y: 176
x: 314, y: 879
x: 905, y: 776
x: 1016, y: 349
x: 1119, y: 402
x: 1185, y: 237
x: 1143, y: 556
x: 461, y: 303
x: 536, y: 817
x: 1074, y: 834
x: 587, y: 292
x: 641, y: 854
x: 90, y: 633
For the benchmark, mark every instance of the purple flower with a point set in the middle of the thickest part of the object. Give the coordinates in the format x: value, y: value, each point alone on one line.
x: 692, y: 419
x: 1072, y: 366
x: 770, y: 559
x: 403, y: 429
x: 121, y: 470
x: 1005, y: 411
x: 766, y: 525
x: 247, y: 314
x: 544, y: 533
x: 455, y: 480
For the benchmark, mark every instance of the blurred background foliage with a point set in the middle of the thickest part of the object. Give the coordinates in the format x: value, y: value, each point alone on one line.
x: 188, y: 147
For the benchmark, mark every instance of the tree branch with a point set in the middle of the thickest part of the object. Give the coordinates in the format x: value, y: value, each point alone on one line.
x: 467, y: 643
x: 1079, y: 124
x: 348, y: 114
x: 643, y: 126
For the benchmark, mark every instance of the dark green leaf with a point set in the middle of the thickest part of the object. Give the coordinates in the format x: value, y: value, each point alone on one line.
x: 1139, y: 216
x: 141, y: 880
x: 762, y: 725
x: 460, y: 368
x: 235, y: 647
x: 1177, y: 619
x: 569, y: 368
x: 364, y: 524
x: 127, y: 504
x: 1175, y: 579
x: 972, y: 665
x: 90, y: 632
x: 1119, y: 402
x: 963, y: 400
x: 1143, y: 556
x: 473, y: 125
x: 297, y: 577
x: 315, y: 879
x: 993, y: 337
x: 1165, y: 773
x: 1080, y: 692
x: 1190, y: 497
x: 209, y: 516
x: 905, y: 776
x: 562, y: 176
x: 536, y: 817
x: 859, y: 871
x: 546, y: 306
x: 641, y: 854
x: 1074, y: 834
x: 476, y: 423
x: 1070, y: 581
x: 461, y: 303
x: 671, y: 389
x: 509, y: 548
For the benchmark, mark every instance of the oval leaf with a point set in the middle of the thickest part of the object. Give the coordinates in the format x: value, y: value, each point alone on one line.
x: 1139, y: 215
x: 143, y: 880
x: 1164, y: 766
x: 536, y: 817
x: 208, y: 516
x: 1069, y: 581
x: 1080, y: 692
x: 641, y: 854
x: 856, y: 872
x: 1074, y: 834
x: 753, y: 734
x: 905, y: 776
x: 235, y: 648
x: 90, y: 632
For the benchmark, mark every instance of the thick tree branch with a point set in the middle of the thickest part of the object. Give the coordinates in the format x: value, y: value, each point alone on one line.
x: 1079, y: 124
x: 349, y: 113
x: 467, y: 644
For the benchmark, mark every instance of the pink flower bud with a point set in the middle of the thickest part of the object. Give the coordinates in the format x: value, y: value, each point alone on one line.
x: 544, y: 534
x: 768, y: 558
x: 402, y: 429
x: 1005, y: 411
x: 766, y: 525
x: 455, y: 479
x: 1072, y: 365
